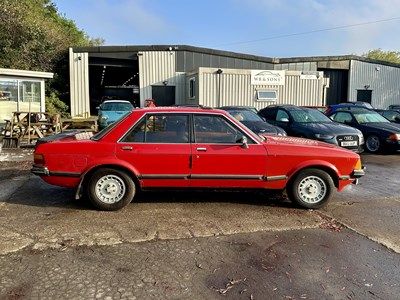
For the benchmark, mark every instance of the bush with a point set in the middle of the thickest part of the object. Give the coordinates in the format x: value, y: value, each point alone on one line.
x: 55, y: 106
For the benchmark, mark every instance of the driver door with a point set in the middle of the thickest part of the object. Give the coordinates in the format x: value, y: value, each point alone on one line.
x: 219, y: 157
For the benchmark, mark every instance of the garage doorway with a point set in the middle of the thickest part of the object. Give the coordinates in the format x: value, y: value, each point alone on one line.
x: 163, y: 95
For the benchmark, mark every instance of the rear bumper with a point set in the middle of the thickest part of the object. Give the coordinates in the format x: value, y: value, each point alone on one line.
x: 40, y: 170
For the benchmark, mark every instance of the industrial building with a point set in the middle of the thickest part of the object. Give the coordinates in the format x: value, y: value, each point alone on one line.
x: 179, y: 74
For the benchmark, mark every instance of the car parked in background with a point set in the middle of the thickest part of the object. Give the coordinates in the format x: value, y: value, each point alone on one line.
x: 252, y: 120
x: 191, y: 148
x: 390, y: 114
x: 379, y: 133
x: 111, y: 110
x: 359, y: 103
x: 332, y: 108
x: 313, y: 124
x: 394, y: 106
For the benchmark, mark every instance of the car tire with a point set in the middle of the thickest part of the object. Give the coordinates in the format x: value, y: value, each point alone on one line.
x: 110, y: 189
x: 373, y: 143
x: 310, y: 188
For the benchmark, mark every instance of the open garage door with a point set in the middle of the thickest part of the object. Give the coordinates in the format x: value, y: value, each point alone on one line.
x: 112, y: 78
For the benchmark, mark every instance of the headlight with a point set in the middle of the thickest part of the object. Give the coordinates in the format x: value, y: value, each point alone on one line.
x: 361, y: 139
x: 394, y: 136
x: 104, y: 118
x: 323, y: 136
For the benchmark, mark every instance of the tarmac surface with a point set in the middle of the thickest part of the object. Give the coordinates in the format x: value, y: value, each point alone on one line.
x: 199, y: 245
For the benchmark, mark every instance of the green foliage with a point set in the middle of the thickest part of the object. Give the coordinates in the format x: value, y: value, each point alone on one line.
x: 379, y: 54
x: 34, y: 36
x: 54, y: 105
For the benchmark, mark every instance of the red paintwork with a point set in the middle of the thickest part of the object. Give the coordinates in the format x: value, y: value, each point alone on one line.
x: 275, y: 156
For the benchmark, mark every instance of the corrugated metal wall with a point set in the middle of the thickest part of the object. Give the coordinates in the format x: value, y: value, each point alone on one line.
x: 79, y: 84
x: 188, y: 61
x: 384, y: 81
x: 155, y: 67
x: 299, y: 66
x: 233, y: 87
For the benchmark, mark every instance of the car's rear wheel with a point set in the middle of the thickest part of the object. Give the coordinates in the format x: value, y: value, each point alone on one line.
x: 310, y: 188
x: 110, y: 189
x: 373, y: 143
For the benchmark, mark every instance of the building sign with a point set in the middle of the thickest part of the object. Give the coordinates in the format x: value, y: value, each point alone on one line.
x: 267, y: 77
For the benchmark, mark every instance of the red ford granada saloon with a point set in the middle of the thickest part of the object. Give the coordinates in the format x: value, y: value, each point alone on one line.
x: 191, y: 148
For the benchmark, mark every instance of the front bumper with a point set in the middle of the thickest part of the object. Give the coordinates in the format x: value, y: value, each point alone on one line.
x: 358, y: 174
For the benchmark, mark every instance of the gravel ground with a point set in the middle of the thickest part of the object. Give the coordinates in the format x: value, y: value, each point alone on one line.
x: 10, y: 169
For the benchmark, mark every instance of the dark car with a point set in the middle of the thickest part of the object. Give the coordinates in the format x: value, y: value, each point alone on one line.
x: 252, y: 120
x: 391, y: 114
x: 379, y: 133
x: 394, y: 106
x: 313, y: 124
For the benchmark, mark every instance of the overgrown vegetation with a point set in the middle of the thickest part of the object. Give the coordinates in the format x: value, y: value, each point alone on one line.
x: 34, y: 36
x: 379, y: 54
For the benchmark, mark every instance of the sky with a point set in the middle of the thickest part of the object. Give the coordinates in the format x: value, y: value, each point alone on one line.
x: 270, y: 28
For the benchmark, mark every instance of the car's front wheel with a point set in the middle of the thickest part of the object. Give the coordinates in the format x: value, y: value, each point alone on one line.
x: 310, y: 188
x: 110, y: 189
x: 373, y: 143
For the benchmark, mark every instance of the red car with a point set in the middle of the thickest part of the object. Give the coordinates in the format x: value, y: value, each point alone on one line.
x: 183, y: 147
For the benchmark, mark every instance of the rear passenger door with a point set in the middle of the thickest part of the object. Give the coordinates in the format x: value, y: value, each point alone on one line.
x: 158, y: 147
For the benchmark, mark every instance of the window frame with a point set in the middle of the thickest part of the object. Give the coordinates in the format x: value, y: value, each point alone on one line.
x: 260, y: 98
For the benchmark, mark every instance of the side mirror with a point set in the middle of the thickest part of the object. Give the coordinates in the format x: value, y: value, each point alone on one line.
x: 244, y: 143
x: 286, y: 120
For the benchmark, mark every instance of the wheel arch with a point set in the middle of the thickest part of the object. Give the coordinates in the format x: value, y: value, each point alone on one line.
x: 113, y: 166
x: 330, y: 170
x: 85, y: 177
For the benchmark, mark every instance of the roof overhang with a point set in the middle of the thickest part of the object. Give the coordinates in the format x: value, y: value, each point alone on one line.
x: 24, y: 73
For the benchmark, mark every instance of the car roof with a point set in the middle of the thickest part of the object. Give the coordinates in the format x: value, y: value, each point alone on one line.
x: 353, y: 108
x: 237, y: 107
x: 181, y: 109
x: 118, y: 101
x: 288, y: 107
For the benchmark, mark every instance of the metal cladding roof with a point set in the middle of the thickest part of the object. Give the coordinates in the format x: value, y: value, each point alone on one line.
x: 138, y: 48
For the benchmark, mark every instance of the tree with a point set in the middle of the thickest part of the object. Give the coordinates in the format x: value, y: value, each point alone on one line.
x: 34, y: 36
x: 379, y: 54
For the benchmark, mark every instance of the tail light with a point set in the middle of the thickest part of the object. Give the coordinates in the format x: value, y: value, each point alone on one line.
x: 38, y: 159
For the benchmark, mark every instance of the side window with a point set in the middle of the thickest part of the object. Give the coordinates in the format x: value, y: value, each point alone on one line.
x: 281, y: 114
x: 342, y: 117
x: 215, y: 130
x: 268, y: 114
x: 167, y: 128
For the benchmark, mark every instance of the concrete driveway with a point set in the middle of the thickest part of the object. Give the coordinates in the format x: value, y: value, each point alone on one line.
x: 227, y: 241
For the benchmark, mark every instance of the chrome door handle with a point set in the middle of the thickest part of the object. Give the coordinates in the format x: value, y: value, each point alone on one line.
x: 129, y: 148
x: 201, y: 149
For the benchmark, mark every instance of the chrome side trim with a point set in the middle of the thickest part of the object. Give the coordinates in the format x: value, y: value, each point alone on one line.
x: 164, y: 176
x: 275, y: 178
x: 223, y: 176
x: 201, y: 176
x: 43, y: 171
